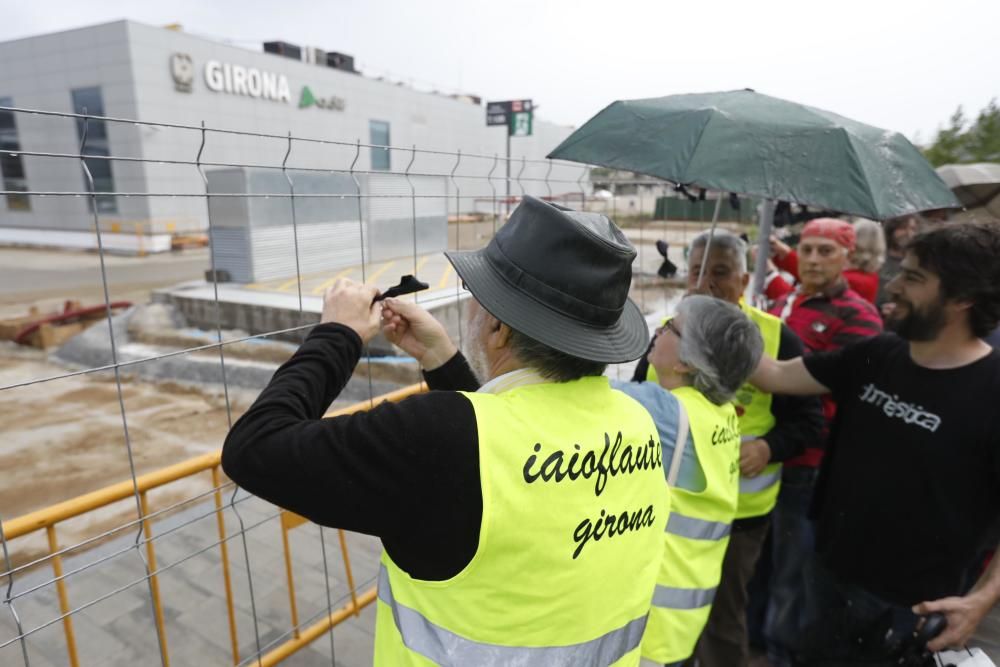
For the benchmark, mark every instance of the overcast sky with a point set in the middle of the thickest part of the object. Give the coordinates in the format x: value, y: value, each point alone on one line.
x: 898, y: 64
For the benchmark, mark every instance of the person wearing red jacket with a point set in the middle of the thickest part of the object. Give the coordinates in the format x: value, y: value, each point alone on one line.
x: 827, y: 315
x: 862, y: 274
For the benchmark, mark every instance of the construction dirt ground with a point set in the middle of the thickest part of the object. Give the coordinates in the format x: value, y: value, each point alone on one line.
x: 65, y: 437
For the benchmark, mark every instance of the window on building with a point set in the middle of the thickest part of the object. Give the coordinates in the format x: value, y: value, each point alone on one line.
x: 11, y: 163
x: 378, y: 131
x: 89, y: 101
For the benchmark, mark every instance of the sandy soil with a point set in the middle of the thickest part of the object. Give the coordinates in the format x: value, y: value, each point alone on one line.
x: 63, y: 438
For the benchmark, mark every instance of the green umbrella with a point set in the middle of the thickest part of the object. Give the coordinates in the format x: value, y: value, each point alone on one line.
x: 752, y: 144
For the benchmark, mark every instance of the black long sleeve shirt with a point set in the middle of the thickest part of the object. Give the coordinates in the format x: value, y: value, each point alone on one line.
x: 407, y: 472
x: 798, y: 419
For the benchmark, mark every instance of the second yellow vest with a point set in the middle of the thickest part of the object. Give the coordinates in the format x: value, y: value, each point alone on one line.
x: 759, y: 494
x: 697, y: 533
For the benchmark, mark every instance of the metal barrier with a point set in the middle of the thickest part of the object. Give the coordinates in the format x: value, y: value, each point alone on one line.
x: 468, y: 187
x: 49, y: 518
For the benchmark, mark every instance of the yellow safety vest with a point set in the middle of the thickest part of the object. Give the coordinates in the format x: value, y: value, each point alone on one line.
x: 697, y: 533
x: 574, y: 506
x: 759, y: 494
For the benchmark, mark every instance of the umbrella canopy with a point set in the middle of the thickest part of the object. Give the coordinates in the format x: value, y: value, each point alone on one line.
x: 975, y: 185
x: 742, y: 141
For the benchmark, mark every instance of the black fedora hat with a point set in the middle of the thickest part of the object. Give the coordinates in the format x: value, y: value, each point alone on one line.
x: 561, y: 277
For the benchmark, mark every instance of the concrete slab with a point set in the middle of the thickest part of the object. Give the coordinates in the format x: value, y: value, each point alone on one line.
x: 255, y: 311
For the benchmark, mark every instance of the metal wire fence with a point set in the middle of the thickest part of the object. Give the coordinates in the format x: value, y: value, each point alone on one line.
x: 211, y: 594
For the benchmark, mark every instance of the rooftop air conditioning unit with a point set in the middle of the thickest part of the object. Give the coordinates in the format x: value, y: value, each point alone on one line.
x: 283, y: 49
x: 340, y: 61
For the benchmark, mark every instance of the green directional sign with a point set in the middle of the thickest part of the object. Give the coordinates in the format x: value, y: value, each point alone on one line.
x: 517, y: 115
x: 520, y: 124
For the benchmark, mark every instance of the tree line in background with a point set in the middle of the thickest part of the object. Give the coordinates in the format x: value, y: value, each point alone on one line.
x: 965, y: 141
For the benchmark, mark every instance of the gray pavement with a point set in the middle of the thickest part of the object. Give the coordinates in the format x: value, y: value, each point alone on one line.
x: 27, y: 273
x: 120, y: 630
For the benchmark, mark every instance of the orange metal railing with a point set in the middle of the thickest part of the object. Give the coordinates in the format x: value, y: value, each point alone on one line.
x: 48, y: 518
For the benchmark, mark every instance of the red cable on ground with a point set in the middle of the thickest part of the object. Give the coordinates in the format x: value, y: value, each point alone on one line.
x: 67, y: 315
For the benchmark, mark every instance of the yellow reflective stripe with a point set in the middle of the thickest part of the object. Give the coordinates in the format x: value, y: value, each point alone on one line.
x: 696, y: 529
x: 444, y: 647
x: 683, y: 598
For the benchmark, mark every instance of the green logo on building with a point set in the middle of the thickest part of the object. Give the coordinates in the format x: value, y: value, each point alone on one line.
x: 307, y: 99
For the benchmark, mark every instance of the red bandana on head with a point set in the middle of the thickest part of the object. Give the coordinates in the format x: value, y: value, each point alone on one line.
x: 838, y: 231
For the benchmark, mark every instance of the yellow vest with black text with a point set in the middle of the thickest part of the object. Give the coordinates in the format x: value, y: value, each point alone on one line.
x: 574, y: 506
x: 697, y: 533
x: 759, y: 494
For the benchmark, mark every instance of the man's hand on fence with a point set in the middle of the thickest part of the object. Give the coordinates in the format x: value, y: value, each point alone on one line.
x: 350, y: 303
x: 416, y: 331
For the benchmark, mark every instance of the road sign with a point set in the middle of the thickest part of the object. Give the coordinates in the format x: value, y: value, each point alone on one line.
x: 520, y: 124
x: 515, y: 114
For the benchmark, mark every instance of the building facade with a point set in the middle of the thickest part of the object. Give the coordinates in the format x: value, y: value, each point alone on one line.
x: 128, y: 70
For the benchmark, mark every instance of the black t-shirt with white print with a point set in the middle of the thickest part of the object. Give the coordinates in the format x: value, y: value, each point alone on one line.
x: 911, y: 480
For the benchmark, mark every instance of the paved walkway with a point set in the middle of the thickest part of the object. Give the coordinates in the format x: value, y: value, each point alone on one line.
x: 117, y: 626
x: 120, y: 630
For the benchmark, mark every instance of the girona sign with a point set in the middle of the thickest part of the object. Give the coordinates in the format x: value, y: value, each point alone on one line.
x: 247, y: 81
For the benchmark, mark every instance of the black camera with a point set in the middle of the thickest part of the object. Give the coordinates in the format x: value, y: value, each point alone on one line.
x: 908, y: 635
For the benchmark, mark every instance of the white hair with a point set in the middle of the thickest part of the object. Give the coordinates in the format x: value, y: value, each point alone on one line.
x: 472, y: 346
x: 720, y: 345
x: 869, y: 248
x: 723, y: 238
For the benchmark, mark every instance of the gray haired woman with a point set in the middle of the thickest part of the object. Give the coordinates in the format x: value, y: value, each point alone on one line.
x: 709, y: 345
x: 702, y: 356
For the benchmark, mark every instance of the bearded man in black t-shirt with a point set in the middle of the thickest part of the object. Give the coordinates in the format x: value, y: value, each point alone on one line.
x: 910, y: 485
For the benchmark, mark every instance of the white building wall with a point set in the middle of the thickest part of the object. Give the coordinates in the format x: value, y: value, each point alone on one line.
x: 40, y: 73
x: 130, y: 63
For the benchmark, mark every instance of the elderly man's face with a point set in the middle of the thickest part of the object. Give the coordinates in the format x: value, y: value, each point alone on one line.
x: 723, y: 277
x: 821, y: 262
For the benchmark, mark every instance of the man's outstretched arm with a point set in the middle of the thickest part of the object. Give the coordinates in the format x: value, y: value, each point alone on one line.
x: 786, y: 377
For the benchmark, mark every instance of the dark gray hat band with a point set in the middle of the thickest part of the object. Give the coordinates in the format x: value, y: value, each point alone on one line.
x: 560, y: 302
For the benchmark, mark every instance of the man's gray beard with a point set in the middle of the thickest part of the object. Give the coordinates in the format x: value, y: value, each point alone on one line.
x: 473, y: 350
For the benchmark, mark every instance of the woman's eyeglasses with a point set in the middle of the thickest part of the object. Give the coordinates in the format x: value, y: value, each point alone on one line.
x: 672, y: 328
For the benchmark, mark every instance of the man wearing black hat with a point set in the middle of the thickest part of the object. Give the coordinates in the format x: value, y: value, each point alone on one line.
x: 522, y: 523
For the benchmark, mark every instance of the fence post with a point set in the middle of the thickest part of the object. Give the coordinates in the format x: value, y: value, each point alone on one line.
x: 224, y: 553
x: 154, y: 582
x: 57, y: 571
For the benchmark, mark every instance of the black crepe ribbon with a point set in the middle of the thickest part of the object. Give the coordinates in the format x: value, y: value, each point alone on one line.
x: 407, y: 285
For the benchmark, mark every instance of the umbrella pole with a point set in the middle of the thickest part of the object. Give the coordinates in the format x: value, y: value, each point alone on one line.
x: 708, y: 246
x: 763, y: 251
